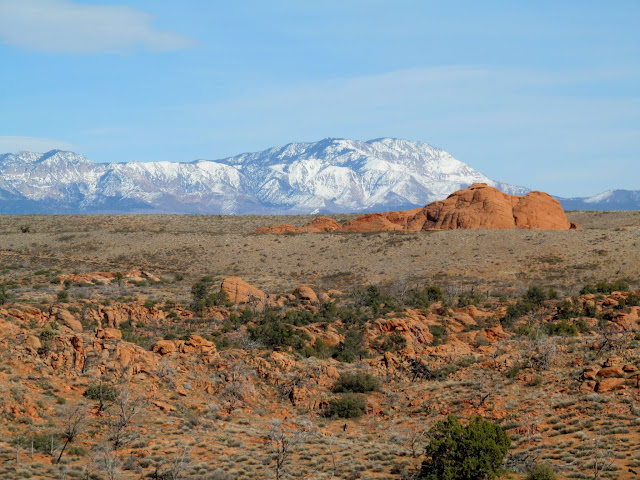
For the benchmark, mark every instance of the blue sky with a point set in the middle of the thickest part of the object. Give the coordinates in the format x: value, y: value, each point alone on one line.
x: 543, y: 94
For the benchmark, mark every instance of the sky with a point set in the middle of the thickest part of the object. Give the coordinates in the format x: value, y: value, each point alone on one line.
x: 542, y: 94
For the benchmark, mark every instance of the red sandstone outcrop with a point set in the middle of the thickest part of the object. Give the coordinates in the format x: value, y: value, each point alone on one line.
x: 482, y: 206
x: 306, y: 294
x: 479, y: 206
x: 239, y: 291
x: 319, y: 225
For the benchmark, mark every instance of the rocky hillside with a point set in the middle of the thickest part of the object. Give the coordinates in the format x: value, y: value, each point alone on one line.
x: 332, y: 175
x: 101, y: 385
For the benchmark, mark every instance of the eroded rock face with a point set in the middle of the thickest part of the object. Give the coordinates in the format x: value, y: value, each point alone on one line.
x: 66, y: 319
x: 319, y: 225
x: 479, y: 206
x: 482, y: 206
x: 371, y: 222
x: 239, y: 291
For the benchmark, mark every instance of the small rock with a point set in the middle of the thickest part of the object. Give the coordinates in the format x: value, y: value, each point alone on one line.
x: 306, y: 294
x: 164, y: 347
x: 609, y: 384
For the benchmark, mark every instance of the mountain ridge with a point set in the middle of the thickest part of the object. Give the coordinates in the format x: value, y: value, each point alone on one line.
x: 333, y: 175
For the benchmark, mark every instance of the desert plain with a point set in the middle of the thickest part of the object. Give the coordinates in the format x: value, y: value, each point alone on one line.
x: 101, y: 331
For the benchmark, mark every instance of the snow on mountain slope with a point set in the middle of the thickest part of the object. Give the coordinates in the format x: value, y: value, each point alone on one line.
x: 332, y: 175
x: 609, y: 200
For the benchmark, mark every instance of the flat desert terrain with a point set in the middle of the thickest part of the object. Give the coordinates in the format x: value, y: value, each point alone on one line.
x: 192, y: 246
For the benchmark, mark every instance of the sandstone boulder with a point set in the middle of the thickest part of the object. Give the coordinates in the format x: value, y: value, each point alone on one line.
x: 65, y: 318
x: 306, y: 294
x: 609, y: 384
x: 109, y: 333
x: 239, y: 291
x: 164, y: 347
x: 607, y: 372
x: 198, y: 344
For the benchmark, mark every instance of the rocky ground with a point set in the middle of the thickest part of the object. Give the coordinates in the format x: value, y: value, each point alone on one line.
x: 114, y: 335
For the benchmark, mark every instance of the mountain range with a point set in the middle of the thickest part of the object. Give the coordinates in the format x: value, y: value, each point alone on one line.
x: 329, y: 176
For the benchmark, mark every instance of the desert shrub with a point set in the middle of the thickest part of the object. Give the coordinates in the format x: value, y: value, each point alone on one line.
x: 300, y: 317
x: 567, y: 309
x: 445, y: 371
x: 423, y: 298
x: 77, y: 451
x: 275, y: 333
x: 542, y: 471
x: 359, y: 382
x: 536, y: 295
x: 47, y: 334
x: 459, y: 452
x: 606, y: 288
x: 581, y: 325
x: 467, y: 298
x: 328, y: 311
x: 4, y: 296
x: 515, y: 370
x: 320, y: 349
x: 439, y: 333
x: 202, y: 295
x: 351, y: 348
x: 149, y: 304
x: 378, y: 302
x: 102, y: 391
x: 41, y: 442
x: 349, y: 405
x: 467, y: 361
x: 351, y: 317
x: 390, y: 343
x: 562, y: 328
x: 622, y: 304
x: 633, y: 300
x: 590, y: 310
x: 514, y: 312
x: 63, y: 296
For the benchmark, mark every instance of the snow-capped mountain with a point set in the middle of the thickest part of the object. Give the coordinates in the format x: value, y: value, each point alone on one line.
x: 609, y: 200
x: 332, y: 175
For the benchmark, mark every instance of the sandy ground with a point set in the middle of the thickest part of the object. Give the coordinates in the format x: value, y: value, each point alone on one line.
x: 607, y: 248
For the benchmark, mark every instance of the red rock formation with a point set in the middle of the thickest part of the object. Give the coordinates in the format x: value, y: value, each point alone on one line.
x: 319, y: 225
x: 371, y: 222
x: 482, y: 206
x: 306, y: 294
x: 479, y: 206
x: 239, y: 291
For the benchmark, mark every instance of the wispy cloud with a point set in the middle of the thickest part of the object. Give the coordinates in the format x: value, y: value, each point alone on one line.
x: 12, y: 144
x: 71, y: 27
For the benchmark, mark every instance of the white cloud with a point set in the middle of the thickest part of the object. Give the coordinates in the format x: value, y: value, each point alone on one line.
x: 11, y: 144
x: 70, y: 27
